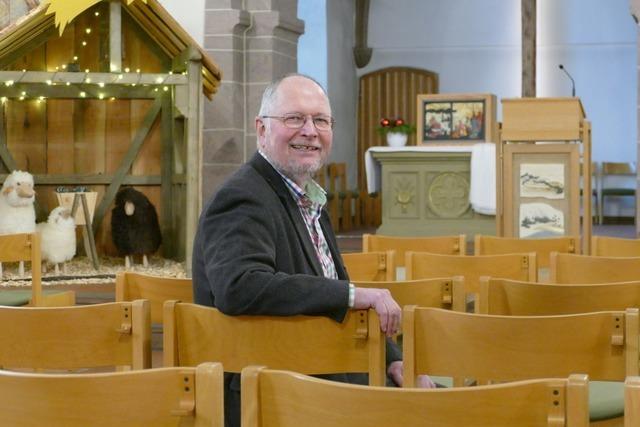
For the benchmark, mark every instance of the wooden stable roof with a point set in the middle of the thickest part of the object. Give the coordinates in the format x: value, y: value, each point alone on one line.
x: 151, y: 16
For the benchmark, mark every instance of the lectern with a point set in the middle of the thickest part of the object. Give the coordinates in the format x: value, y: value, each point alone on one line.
x: 544, y: 159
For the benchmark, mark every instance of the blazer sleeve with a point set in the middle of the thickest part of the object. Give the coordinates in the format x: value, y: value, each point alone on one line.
x: 244, y: 252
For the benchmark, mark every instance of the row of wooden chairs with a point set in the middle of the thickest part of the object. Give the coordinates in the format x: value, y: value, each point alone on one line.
x: 193, y: 396
x: 561, y: 267
x: 492, y: 245
x: 484, y: 347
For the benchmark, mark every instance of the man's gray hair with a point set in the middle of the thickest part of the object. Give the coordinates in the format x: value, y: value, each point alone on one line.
x: 269, y: 95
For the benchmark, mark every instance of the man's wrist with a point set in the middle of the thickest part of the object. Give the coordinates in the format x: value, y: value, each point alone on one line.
x: 352, y: 295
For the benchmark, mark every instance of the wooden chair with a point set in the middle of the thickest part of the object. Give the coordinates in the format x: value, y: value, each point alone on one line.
x: 604, y: 345
x: 308, y: 344
x: 614, y: 247
x: 609, y: 172
x: 632, y: 402
x: 273, y: 398
x: 153, y: 397
x: 447, y: 292
x: 421, y: 265
x: 492, y: 245
x: 445, y: 245
x: 26, y: 247
x: 100, y: 335
x: 370, y: 266
x: 155, y: 289
x: 514, y: 298
x: 570, y: 269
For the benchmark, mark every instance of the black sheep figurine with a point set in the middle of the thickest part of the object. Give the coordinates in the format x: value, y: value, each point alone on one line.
x: 134, y: 226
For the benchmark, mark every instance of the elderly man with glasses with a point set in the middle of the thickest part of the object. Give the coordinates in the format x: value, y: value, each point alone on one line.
x: 264, y: 244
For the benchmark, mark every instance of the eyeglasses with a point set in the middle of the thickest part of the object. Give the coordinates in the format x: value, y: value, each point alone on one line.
x: 296, y: 121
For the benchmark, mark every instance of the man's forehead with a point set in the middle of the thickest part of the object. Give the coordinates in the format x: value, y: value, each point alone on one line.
x: 298, y: 89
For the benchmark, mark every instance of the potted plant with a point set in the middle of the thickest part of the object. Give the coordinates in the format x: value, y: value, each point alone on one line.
x: 396, y: 130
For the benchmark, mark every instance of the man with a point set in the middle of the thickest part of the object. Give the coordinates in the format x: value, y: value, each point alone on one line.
x: 264, y: 245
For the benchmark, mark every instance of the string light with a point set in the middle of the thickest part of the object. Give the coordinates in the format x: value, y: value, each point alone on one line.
x: 9, y: 83
x: 84, y: 43
x: 3, y: 99
x: 75, y: 58
x: 126, y: 70
x: 87, y: 30
x: 97, y: 13
x: 101, y: 96
x: 101, y: 84
x: 83, y: 94
x: 49, y: 82
x: 166, y: 88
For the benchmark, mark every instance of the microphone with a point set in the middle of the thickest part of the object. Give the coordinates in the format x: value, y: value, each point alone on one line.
x: 573, y: 83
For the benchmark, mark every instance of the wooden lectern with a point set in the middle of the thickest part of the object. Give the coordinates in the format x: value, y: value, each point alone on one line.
x: 544, y: 157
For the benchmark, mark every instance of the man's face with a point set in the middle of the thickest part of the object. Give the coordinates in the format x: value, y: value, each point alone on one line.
x: 297, y: 153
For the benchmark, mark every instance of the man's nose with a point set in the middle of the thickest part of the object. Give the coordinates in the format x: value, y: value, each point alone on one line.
x: 308, y: 128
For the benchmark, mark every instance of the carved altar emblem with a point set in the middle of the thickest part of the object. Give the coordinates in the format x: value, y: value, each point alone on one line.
x: 405, y: 194
x: 448, y: 195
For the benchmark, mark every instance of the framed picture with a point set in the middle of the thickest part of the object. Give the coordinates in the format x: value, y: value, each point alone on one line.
x: 457, y: 118
x: 541, y: 190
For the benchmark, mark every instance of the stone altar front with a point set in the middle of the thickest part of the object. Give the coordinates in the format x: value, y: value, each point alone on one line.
x: 425, y: 191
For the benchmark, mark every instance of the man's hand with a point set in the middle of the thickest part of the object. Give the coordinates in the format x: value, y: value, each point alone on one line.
x: 395, y: 372
x: 381, y: 301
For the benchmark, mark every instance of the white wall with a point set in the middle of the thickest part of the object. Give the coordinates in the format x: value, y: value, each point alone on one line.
x: 189, y: 14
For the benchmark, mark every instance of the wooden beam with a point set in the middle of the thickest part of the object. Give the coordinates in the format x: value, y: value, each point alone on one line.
x: 59, y: 91
x: 362, y: 52
x: 97, y: 179
x: 115, y: 36
x: 166, y: 189
x: 5, y: 155
x: 37, y: 40
x: 193, y: 138
x: 529, y: 48
x: 7, y: 78
x: 125, y: 165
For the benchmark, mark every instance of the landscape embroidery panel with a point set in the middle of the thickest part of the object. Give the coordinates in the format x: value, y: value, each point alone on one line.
x: 542, y: 180
x: 540, y: 220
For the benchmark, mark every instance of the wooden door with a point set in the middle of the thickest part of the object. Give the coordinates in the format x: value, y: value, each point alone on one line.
x: 389, y: 92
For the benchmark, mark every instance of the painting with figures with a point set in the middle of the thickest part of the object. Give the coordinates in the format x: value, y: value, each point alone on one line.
x: 454, y: 121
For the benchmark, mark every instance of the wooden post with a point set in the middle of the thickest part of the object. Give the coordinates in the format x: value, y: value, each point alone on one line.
x: 166, y: 186
x: 115, y: 36
x: 193, y: 136
x: 529, y: 48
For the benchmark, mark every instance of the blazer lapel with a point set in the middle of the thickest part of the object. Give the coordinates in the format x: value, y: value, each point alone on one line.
x: 275, y: 180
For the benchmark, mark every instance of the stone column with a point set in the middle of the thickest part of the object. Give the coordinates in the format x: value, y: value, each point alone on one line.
x: 253, y: 42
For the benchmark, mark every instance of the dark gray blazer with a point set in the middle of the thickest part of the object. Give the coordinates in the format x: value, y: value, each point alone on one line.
x: 253, y: 255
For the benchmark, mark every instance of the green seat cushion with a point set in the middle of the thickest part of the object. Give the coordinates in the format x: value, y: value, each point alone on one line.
x: 18, y: 297
x: 15, y: 297
x: 618, y: 192
x: 443, y: 381
x: 606, y: 400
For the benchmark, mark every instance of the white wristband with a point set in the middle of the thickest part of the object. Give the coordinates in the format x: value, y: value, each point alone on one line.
x: 352, y: 295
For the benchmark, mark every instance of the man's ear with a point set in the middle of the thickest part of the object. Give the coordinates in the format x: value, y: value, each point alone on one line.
x: 260, y: 127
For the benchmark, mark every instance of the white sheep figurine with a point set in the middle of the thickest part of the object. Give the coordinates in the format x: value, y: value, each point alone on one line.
x: 17, y: 213
x: 58, y: 238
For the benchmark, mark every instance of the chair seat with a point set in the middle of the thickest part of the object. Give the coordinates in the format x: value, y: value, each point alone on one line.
x: 606, y: 400
x: 618, y: 192
x: 18, y: 297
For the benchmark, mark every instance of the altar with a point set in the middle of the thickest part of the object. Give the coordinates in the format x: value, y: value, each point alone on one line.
x: 425, y: 191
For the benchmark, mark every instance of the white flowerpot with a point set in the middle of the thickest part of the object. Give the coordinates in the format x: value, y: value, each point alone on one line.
x: 396, y: 139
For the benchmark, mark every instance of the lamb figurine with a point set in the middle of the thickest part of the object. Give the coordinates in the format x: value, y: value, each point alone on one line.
x: 58, y: 238
x: 134, y: 226
x: 17, y: 213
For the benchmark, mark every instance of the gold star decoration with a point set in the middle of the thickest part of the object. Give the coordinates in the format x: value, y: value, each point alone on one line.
x: 66, y: 10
